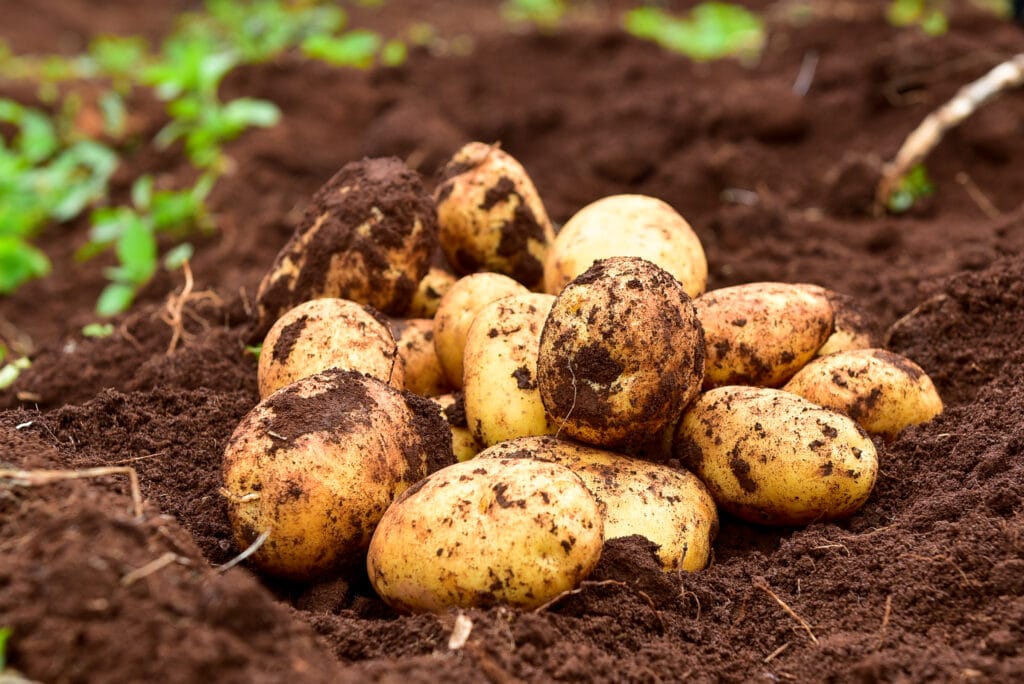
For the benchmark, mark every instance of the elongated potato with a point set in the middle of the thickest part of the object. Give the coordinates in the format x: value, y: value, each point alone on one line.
x: 884, y: 392
x: 480, y: 533
x: 453, y: 410
x: 762, y: 333
x: 327, y: 333
x: 774, y: 458
x: 414, y: 338
x: 670, y: 507
x: 851, y: 327
x: 627, y: 225
x: 500, y: 369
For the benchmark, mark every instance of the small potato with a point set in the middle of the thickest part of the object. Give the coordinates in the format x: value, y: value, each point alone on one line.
x: 851, y: 327
x: 327, y: 333
x: 621, y: 355
x: 318, y: 462
x: 429, y: 291
x: 456, y: 311
x: 422, y: 369
x: 670, y: 507
x: 627, y: 225
x: 480, y: 533
x: 453, y: 410
x: 490, y: 217
x: 884, y: 392
x: 774, y: 458
x: 500, y: 369
x: 762, y: 333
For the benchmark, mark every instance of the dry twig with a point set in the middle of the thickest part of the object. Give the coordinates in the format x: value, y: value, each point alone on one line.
x: 37, y: 478
x: 885, y: 621
x: 761, y: 584
x: 174, y: 312
x: 586, y: 584
x: 153, y: 566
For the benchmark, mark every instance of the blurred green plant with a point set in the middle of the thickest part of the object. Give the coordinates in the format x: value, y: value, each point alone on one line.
x: 8, y: 374
x: 98, y: 330
x: 545, y: 14
x: 915, y: 185
x: 929, y: 15
x: 712, y: 30
x: 5, y: 634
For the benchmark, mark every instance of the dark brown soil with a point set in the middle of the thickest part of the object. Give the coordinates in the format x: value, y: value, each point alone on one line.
x: 926, y: 583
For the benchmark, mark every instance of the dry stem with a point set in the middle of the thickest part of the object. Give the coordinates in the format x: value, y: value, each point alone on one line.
x: 174, y: 312
x: 761, y: 584
x: 777, y: 652
x: 570, y: 592
x: 153, y: 566
x: 253, y: 548
x: 36, y: 478
x: 885, y: 621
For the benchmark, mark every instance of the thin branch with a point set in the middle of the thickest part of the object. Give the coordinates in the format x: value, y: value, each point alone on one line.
x: 37, y: 478
x: 761, y: 584
x: 153, y: 566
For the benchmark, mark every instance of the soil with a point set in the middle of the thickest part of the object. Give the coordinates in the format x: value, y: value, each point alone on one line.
x: 926, y: 582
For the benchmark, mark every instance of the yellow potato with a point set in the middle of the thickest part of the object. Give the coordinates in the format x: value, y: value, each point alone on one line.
x: 884, y: 392
x: 327, y: 333
x: 627, y: 225
x: 500, y: 369
x: 774, y: 458
x: 422, y: 369
x: 428, y: 295
x: 455, y: 314
x: 501, y: 531
x: 670, y: 507
x: 762, y: 333
x: 851, y: 328
x: 453, y: 410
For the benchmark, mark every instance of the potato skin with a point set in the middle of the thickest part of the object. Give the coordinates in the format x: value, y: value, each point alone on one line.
x: 884, y: 392
x: 670, y: 507
x: 762, y: 333
x: 481, y: 533
x: 500, y: 369
x: 453, y: 410
x: 620, y: 355
x: 327, y: 333
x: 414, y: 338
x: 429, y: 291
x: 851, y: 328
x: 319, y: 461
x: 627, y: 225
x: 771, y: 457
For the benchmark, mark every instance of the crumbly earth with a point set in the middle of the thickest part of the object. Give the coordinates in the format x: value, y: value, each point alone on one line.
x: 926, y: 582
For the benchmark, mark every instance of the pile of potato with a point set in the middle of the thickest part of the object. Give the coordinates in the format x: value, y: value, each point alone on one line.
x: 533, y: 395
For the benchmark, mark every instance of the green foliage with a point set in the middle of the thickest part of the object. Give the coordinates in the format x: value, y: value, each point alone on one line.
x: 712, y: 30
x: 545, y: 14
x: 8, y: 374
x: 5, y: 634
x: 914, y: 186
x: 929, y: 15
x: 254, y: 349
x: 98, y: 330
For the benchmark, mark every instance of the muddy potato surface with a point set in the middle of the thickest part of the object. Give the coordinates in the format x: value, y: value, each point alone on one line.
x: 851, y: 328
x: 453, y: 410
x: 620, y: 355
x: 762, y: 333
x: 429, y: 292
x: 774, y: 458
x: 627, y: 225
x: 884, y: 392
x: 414, y: 338
x: 480, y: 533
x: 327, y: 333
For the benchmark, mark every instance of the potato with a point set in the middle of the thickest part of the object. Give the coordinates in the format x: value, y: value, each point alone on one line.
x: 501, y: 531
x: 621, y: 355
x: 422, y: 369
x: 762, y: 333
x: 490, y: 216
x: 627, y: 225
x: 429, y: 291
x: 455, y: 314
x: 367, y: 236
x: 500, y: 369
x: 453, y: 410
x: 319, y: 461
x: 327, y: 333
x: 774, y: 458
x: 884, y: 392
x: 851, y: 328
x: 670, y: 507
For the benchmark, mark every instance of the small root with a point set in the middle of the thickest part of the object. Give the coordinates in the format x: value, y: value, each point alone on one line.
x: 762, y: 584
x: 885, y: 622
x: 38, y: 478
x: 572, y: 592
x: 777, y: 652
x: 154, y: 566
x: 253, y: 548
x: 173, y: 313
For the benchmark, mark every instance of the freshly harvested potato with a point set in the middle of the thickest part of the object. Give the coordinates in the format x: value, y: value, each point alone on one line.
x: 453, y: 410
x: 762, y: 333
x: 455, y: 314
x: 627, y: 225
x: 415, y: 340
x: 490, y: 216
x: 318, y: 462
x: 500, y: 369
x: 621, y: 355
x: 327, y: 333
x: 774, y: 458
x: 670, y: 507
x: 367, y: 236
x: 501, y: 531
x: 884, y: 392
x: 429, y: 291
x: 851, y: 328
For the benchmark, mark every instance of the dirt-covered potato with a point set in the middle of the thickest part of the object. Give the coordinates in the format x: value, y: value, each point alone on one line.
x: 774, y: 458
x: 670, y: 507
x: 429, y: 291
x: 327, y: 333
x: 762, y: 333
x: 490, y: 216
x: 501, y: 531
x: 455, y: 314
x: 367, y: 236
x: 884, y: 392
x: 318, y: 462
x: 621, y: 355
x: 415, y: 340
x: 627, y: 225
x: 500, y: 369
x: 851, y: 327
x: 453, y: 410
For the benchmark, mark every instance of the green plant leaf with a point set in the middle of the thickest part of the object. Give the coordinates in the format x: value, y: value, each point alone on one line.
x: 356, y: 48
x: 178, y: 255
x: 712, y: 30
x: 115, y: 299
x: 246, y: 111
x: 19, y: 262
x: 254, y: 349
x: 912, y: 187
x: 394, y: 53
x: 98, y: 330
x: 142, y: 192
x: 137, y: 251
x: 8, y: 374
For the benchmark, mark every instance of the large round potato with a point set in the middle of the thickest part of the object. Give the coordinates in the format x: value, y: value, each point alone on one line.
x: 422, y: 369
x: 327, y: 333
x: 621, y: 355
x: 774, y: 458
x: 500, y: 369
x: 627, y: 225
x: 670, y: 507
x: 480, y: 533
x: 318, y: 462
